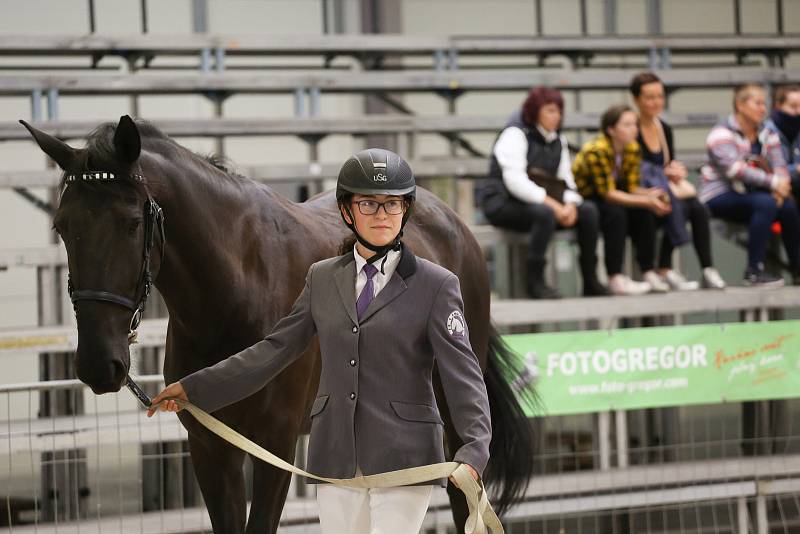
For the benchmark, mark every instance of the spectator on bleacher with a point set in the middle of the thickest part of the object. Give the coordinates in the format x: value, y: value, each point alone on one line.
x: 785, y: 122
x: 607, y: 174
x: 531, y: 189
x: 745, y: 181
x: 660, y: 164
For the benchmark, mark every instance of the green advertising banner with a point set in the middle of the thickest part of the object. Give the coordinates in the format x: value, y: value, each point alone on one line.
x: 583, y: 372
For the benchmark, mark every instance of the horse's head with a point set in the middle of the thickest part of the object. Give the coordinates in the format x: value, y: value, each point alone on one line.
x: 109, y: 224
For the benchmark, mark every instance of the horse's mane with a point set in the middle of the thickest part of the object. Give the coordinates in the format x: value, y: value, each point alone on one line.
x: 222, y: 163
x: 100, y: 152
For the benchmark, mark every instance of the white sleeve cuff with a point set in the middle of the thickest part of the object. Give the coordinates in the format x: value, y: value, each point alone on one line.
x: 572, y: 197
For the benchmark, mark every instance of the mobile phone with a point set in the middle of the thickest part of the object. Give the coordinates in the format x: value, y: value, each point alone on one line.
x: 138, y: 392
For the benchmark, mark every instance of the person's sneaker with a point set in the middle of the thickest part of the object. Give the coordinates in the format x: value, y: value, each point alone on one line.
x: 656, y: 283
x: 678, y: 282
x: 712, y: 279
x: 758, y: 277
x: 620, y: 284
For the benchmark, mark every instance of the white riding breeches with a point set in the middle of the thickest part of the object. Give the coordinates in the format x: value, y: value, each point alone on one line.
x: 372, y: 511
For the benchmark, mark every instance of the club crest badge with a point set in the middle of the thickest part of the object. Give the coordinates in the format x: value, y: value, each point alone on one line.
x: 455, y: 325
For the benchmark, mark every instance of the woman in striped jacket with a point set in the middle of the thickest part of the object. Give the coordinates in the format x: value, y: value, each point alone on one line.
x: 746, y: 181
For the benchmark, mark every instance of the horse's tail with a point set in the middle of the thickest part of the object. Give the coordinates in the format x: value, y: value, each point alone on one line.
x: 512, y: 447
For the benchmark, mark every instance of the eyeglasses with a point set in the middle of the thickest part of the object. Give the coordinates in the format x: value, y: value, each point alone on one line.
x: 391, y: 207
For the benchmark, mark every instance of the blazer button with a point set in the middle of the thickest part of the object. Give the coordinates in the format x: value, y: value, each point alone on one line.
x: 352, y: 396
x: 355, y: 330
x: 352, y: 363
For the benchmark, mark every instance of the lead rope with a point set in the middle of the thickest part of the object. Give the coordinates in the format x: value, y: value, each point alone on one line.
x: 481, y: 520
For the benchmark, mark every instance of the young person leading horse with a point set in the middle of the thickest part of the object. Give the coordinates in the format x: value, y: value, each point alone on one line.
x: 234, y: 261
x: 383, y: 317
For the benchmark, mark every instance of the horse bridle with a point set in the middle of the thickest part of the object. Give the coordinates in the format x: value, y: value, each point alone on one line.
x: 153, y: 219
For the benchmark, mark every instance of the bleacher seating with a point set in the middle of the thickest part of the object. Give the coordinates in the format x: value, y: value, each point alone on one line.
x: 444, y: 74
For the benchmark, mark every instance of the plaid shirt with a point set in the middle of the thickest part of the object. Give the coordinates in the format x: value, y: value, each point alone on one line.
x: 596, y: 172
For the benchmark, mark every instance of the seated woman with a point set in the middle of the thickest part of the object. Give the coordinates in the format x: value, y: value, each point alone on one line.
x: 658, y: 154
x: 785, y: 122
x: 531, y: 189
x: 746, y: 181
x: 607, y: 174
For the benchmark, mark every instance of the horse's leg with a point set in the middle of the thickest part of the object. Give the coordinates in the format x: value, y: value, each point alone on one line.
x: 287, y: 402
x: 218, y: 468
x: 270, y: 486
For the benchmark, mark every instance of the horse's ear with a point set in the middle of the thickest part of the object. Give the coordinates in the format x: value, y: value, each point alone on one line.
x: 63, y: 154
x: 127, y: 142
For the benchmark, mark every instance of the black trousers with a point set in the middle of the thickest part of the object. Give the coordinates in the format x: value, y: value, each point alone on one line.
x: 540, y: 221
x: 698, y: 217
x: 616, y: 223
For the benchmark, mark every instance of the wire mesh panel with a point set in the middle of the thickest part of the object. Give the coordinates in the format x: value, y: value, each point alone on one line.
x: 69, y: 469
x: 109, y: 470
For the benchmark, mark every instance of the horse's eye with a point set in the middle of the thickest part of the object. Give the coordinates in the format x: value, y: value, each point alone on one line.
x: 133, y: 227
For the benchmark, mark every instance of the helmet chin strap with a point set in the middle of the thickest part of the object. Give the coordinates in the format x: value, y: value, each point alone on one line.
x: 380, y: 251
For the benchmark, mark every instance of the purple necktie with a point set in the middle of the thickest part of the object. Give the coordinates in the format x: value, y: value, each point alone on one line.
x: 368, y: 293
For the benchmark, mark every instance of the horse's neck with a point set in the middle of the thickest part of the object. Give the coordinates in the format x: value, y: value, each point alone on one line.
x: 204, y: 216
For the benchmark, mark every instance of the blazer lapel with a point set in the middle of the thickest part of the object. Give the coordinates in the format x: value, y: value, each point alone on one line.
x: 345, y: 283
x: 397, y: 284
x: 392, y: 290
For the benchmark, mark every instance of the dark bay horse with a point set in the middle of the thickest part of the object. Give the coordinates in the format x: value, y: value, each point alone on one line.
x: 235, y: 258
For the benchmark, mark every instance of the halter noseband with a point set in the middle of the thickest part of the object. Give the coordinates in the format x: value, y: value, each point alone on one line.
x: 154, y: 219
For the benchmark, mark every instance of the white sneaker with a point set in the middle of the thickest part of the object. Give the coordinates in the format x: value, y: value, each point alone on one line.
x: 712, y: 279
x: 620, y: 284
x: 678, y: 282
x: 656, y: 283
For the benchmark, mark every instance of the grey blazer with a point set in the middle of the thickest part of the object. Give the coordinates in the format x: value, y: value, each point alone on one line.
x: 375, y: 407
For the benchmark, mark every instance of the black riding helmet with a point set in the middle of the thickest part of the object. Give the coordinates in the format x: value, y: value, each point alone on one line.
x: 375, y: 171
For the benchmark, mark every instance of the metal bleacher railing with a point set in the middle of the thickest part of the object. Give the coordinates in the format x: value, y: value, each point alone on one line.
x: 360, y: 46
x: 587, y: 472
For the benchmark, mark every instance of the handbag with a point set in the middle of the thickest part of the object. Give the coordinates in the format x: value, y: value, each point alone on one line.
x: 683, y: 189
x: 554, y: 187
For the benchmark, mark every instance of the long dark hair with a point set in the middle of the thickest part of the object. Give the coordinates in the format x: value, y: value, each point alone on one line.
x: 347, y: 244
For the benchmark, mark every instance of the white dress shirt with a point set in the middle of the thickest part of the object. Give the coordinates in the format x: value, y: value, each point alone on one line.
x: 380, y: 280
x: 511, y: 151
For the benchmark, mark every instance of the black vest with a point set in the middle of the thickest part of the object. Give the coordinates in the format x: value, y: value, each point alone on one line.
x: 542, y: 155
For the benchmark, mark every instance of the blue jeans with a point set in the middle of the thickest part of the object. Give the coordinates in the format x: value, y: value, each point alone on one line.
x: 758, y: 210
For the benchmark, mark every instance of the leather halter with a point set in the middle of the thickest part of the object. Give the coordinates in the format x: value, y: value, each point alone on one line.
x: 153, y: 219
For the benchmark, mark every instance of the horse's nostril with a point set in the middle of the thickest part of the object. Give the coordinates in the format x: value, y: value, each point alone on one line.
x: 118, y: 371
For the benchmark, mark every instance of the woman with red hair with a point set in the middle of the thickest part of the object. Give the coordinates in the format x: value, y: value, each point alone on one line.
x: 531, y: 189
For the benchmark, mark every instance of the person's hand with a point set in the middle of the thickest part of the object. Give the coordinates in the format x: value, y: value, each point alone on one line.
x: 559, y: 209
x: 782, y: 187
x: 654, y: 192
x: 471, y: 472
x: 174, y: 390
x: 676, y: 171
x: 658, y: 206
x: 569, y: 215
